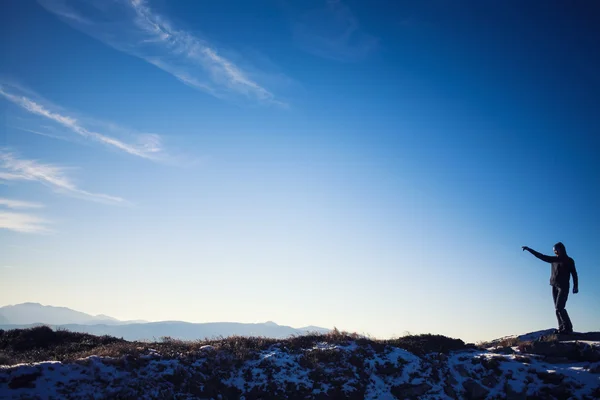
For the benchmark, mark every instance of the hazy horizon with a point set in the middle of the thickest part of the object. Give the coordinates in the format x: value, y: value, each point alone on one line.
x: 374, y: 167
x: 111, y: 317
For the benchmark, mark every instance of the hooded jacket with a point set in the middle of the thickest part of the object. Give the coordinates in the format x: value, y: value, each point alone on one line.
x: 562, y: 269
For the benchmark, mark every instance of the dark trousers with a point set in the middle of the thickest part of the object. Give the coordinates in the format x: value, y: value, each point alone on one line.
x: 560, y: 295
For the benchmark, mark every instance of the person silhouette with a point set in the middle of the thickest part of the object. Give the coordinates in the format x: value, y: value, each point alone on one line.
x: 563, y: 267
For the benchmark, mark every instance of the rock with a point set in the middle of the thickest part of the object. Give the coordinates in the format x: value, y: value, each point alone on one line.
x: 490, y: 381
x: 556, y: 392
x: 550, y: 378
x: 592, y: 336
x: 491, y: 363
x: 450, y: 392
x: 24, y: 381
x: 451, y: 380
x: 575, y: 351
x: 504, y: 350
x: 435, y: 372
x: 512, y: 394
x: 474, y: 390
x: 462, y: 371
x: 557, y: 360
x: 408, y: 391
x: 589, y: 353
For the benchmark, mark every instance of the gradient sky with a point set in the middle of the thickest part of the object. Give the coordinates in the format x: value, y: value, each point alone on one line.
x: 371, y: 166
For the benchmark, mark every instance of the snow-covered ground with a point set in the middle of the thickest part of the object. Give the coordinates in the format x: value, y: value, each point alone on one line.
x: 347, y: 369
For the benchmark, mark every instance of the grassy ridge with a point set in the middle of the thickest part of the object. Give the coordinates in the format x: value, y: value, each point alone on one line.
x: 44, y: 344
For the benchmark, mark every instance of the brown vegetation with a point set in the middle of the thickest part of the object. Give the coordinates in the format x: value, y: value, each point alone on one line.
x: 43, y: 344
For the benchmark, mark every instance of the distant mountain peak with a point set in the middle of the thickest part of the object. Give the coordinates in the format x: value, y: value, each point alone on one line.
x: 28, y: 304
x: 36, y: 313
x: 271, y: 323
x: 105, y: 317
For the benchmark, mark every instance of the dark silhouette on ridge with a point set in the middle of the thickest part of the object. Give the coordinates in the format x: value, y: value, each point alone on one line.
x: 563, y: 267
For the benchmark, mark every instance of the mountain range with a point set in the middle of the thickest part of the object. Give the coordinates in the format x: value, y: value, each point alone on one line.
x: 31, y: 314
x: 35, y: 313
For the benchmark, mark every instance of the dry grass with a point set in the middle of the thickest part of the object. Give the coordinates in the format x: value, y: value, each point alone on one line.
x: 510, y: 342
x: 43, y: 344
x: 516, y: 342
x: 550, y: 338
x: 507, y: 342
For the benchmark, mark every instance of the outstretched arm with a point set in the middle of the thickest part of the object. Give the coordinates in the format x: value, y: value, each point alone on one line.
x: 548, y: 259
x: 575, y: 278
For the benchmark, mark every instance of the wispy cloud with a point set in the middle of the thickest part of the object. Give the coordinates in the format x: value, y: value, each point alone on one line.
x: 149, y: 147
x: 10, y: 203
x: 333, y: 32
x: 24, y: 223
x: 20, y: 221
x: 45, y: 134
x: 13, y: 168
x: 133, y: 27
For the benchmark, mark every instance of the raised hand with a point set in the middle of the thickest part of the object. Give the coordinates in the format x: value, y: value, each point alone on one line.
x: 525, y: 248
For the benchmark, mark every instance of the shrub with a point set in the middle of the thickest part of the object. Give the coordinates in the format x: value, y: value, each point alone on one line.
x: 427, y: 343
x: 41, y: 343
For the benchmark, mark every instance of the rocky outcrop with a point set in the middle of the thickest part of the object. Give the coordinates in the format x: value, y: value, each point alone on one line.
x: 563, y: 351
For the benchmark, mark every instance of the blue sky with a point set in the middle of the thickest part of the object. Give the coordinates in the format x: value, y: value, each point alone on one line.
x: 374, y: 167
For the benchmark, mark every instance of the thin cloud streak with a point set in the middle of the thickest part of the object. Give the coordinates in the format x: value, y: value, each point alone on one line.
x: 148, y: 150
x: 136, y: 29
x: 16, y: 204
x: 334, y: 32
x: 23, y: 223
x: 48, y: 135
x: 176, y: 42
x: 13, y: 168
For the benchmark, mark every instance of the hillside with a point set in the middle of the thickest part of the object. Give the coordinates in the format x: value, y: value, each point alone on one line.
x: 336, y: 365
